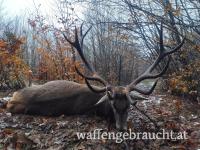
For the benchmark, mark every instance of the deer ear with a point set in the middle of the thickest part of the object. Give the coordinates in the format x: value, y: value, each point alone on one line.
x: 135, y: 96
x: 104, y: 98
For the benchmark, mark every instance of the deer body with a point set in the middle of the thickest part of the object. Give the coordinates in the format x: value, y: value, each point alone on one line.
x: 65, y: 97
x: 56, y: 98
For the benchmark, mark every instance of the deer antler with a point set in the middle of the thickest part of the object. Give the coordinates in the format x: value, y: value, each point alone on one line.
x: 95, y: 77
x: 148, y: 73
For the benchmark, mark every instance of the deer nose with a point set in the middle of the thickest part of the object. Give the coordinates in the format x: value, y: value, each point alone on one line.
x: 122, y: 130
x: 121, y: 127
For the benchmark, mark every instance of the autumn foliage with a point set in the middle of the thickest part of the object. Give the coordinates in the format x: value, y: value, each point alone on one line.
x: 12, y: 66
x: 53, y: 52
x: 186, y: 81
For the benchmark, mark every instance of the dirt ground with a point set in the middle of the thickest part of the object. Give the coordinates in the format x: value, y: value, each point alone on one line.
x: 37, y: 132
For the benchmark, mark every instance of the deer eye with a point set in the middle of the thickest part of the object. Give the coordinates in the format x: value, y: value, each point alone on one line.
x: 111, y: 95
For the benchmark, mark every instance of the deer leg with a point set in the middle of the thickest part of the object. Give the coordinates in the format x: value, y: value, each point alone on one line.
x: 142, y: 112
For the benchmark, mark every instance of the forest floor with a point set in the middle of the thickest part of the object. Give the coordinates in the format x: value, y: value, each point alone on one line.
x: 171, y: 114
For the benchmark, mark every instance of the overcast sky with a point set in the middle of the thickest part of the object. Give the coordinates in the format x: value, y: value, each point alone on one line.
x: 19, y: 7
x: 25, y: 8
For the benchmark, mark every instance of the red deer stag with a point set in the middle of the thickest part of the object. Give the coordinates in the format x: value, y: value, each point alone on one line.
x: 70, y: 98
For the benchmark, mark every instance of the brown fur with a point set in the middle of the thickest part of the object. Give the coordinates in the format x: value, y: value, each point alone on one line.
x: 57, y: 98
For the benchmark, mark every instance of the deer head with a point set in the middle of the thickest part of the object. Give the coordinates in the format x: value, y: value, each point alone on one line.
x: 120, y: 97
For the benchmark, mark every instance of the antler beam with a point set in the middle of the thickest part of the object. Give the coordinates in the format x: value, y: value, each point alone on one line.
x: 148, y: 73
x: 79, y: 47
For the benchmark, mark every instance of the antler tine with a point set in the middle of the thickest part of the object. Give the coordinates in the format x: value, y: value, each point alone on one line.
x: 79, y: 47
x: 95, y: 89
x: 88, y: 77
x: 92, y: 88
x: 161, y: 48
x: 150, y: 76
x: 81, y: 30
x: 176, y: 48
x: 83, y: 35
x: 70, y: 42
x: 161, y: 55
x: 76, y: 44
x: 148, y: 92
